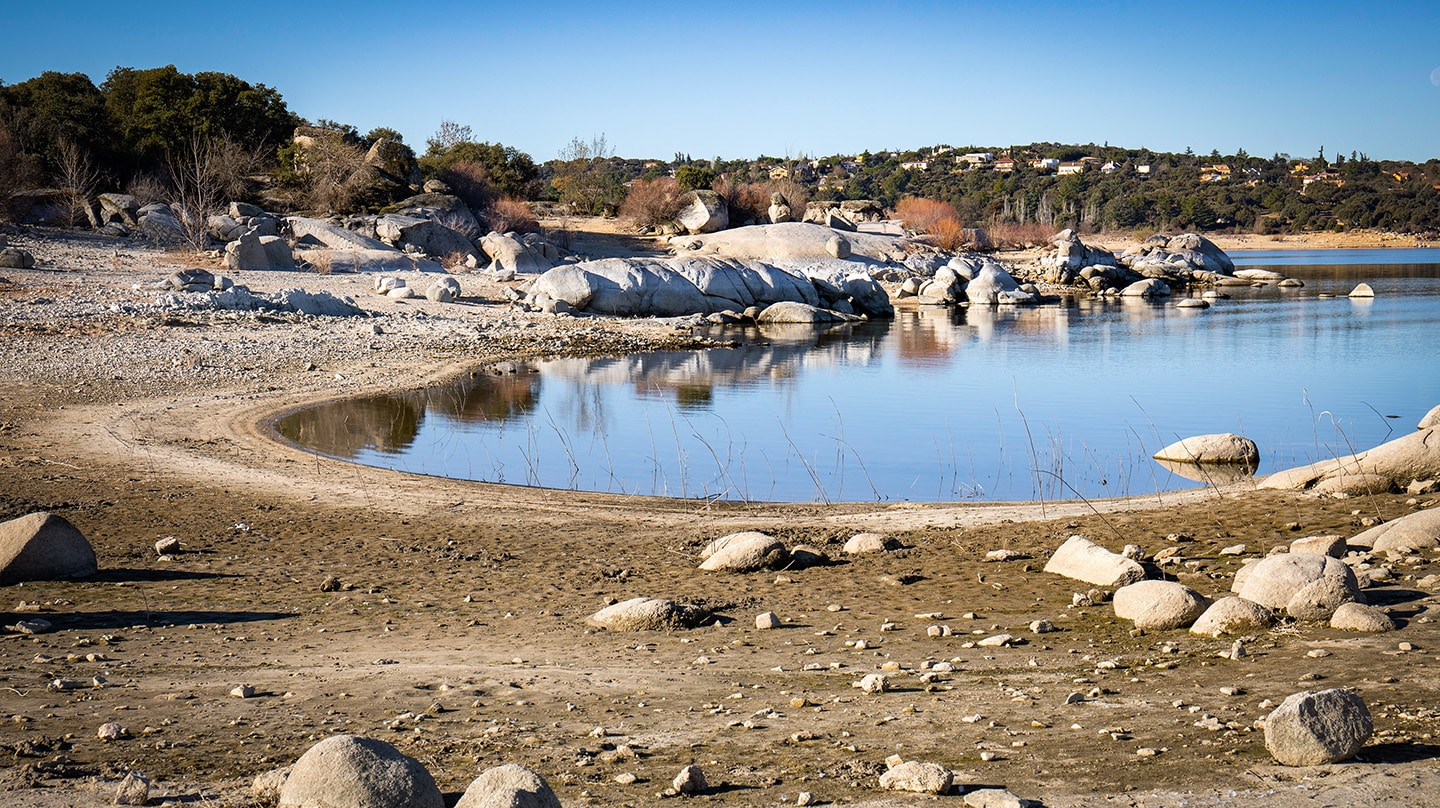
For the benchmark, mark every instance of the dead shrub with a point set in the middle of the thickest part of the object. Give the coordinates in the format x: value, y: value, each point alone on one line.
x: 651, y: 202
x: 950, y: 235
x: 148, y: 188
x: 921, y: 215
x: 509, y: 214
x: 470, y: 181
x: 1016, y: 236
x: 750, y: 201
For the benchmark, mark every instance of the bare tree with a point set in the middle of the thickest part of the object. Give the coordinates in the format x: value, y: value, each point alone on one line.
x: 77, y: 178
x: 204, y: 174
x: 449, y: 135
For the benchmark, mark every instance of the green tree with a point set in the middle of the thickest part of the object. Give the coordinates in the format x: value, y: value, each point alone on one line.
x: 53, y: 108
x: 694, y: 178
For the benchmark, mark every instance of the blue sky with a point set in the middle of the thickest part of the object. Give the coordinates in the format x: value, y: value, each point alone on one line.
x: 741, y: 78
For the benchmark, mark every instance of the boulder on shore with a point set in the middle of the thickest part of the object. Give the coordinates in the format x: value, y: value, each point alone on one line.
x: 1159, y: 605
x: 1233, y: 615
x: 43, y: 546
x: 1084, y: 560
x: 744, y: 552
x: 703, y: 212
x: 1312, y: 728
x: 346, y: 771
x: 1275, y: 580
x: 1392, y: 465
x: 1218, y: 448
x: 508, y: 786
x: 649, y: 614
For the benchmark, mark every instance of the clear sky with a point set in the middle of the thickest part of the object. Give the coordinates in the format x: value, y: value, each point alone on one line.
x: 740, y: 78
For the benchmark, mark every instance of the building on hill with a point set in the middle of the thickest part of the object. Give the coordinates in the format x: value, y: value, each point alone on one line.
x: 1110, y: 167
x: 976, y: 158
x: 1046, y: 164
x: 916, y: 165
x: 1145, y: 171
x: 1005, y: 165
x: 1072, y: 167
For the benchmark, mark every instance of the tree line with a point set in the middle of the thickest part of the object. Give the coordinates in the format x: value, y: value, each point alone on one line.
x: 142, y: 130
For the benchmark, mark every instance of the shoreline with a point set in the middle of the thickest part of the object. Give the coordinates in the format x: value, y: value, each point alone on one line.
x: 454, y: 626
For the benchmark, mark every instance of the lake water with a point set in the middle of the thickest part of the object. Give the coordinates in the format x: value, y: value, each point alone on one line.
x: 1050, y: 402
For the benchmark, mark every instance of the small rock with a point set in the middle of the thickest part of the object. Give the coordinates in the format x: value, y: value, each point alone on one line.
x: 243, y: 692
x: 1003, y: 555
x: 1233, y: 550
x: 805, y: 798
x: 919, y: 777
x: 767, y: 620
x: 33, y: 625
x: 870, y: 543
x: 690, y: 780
x: 133, y: 790
x: 1043, y: 627
x: 167, y: 546
x: 996, y: 641
x: 873, y: 683
x: 110, y: 732
x: 625, y: 778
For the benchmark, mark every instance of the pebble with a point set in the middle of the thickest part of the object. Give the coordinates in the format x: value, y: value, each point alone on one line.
x: 625, y: 778
x: 873, y: 683
x: 243, y: 691
x: 1234, y: 549
x: 805, y: 798
x: 1318, y: 653
x: 996, y: 640
x: 690, y: 780
x: 110, y: 732
x: 766, y: 620
x: 1042, y: 627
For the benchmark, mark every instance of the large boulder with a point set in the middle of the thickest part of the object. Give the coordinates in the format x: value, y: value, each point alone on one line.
x: 782, y: 243
x: 1187, y: 253
x: 346, y: 771
x: 1416, y: 531
x: 1233, y: 615
x: 993, y: 285
x: 1159, y: 605
x: 1219, y: 448
x: 649, y: 614
x: 509, y: 252
x: 122, y: 208
x: 1312, y: 728
x: 426, y: 235
x: 1072, y: 255
x: 1276, y: 579
x: 788, y: 312
x: 395, y: 160
x: 1084, y: 560
x: 1429, y: 419
x: 508, y: 786
x: 1150, y: 287
x: 703, y: 212
x: 43, y: 546
x: 1396, y: 464
x: 320, y: 233
x: 744, y: 552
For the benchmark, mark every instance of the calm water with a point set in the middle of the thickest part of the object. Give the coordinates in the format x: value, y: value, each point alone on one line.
x: 1010, y: 404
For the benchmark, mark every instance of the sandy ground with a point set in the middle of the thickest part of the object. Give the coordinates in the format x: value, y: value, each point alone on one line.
x: 457, y: 628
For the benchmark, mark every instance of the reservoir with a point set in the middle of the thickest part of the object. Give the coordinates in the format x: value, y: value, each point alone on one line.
x: 1057, y: 401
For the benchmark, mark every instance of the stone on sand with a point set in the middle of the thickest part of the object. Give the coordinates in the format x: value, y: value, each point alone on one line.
x: 870, y: 543
x: 43, y: 546
x: 1312, y: 728
x: 1233, y: 615
x: 1159, y: 605
x: 1084, y: 560
x: 508, y: 786
x: 1359, y: 617
x: 649, y: 614
x: 744, y: 552
x: 918, y: 776
x: 347, y: 771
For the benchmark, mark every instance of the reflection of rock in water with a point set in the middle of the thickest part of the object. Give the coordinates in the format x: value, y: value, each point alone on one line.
x: 1211, y: 473
x: 691, y: 376
x: 483, y: 396
x: 386, y: 424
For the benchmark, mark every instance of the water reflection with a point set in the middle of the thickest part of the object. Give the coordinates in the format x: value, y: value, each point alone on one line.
x: 938, y: 404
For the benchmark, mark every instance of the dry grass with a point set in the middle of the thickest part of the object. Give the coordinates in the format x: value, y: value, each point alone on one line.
x: 750, y: 201
x: 1015, y: 236
x: 922, y: 215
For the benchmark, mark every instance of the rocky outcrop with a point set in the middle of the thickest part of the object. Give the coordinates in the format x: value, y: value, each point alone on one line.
x: 792, y: 242
x: 1416, y: 531
x: 425, y: 235
x: 508, y: 251
x: 1072, y: 255
x: 1392, y: 465
x: 660, y: 287
x: 43, y: 546
x: 1185, y: 254
x: 703, y: 212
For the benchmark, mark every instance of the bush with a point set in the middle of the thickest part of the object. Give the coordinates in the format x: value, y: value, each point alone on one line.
x: 651, y: 202
x: 694, y: 178
x: 751, y: 200
x: 509, y: 214
x: 1015, y: 236
x: 921, y: 215
x: 470, y: 180
x: 12, y: 171
x: 949, y: 235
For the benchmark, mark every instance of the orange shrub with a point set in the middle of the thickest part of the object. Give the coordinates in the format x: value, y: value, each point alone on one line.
x: 509, y: 214
x: 949, y: 235
x: 921, y: 215
x: 651, y: 202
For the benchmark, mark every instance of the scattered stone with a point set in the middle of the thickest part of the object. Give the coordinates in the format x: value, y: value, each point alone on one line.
x: 744, y: 552
x: 1362, y: 290
x: 345, y: 770
x: 133, y: 790
x: 767, y: 620
x: 1042, y: 627
x: 918, y: 776
x: 43, y: 547
x: 110, y: 732
x: 1233, y: 550
x: 805, y: 798
x: 1084, y: 560
x: 870, y: 543
x: 1233, y: 615
x: 243, y: 692
x: 993, y: 798
x: 626, y: 778
x: 873, y: 683
x: 690, y: 780
x: 510, y: 786
x: 16, y: 258
x: 1358, y: 617
x: 167, y: 546
x: 1003, y: 555
x: 1159, y: 605
x: 1312, y: 728
x: 649, y: 614
x: 804, y: 556
x: 996, y: 641
x: 32, y: 625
